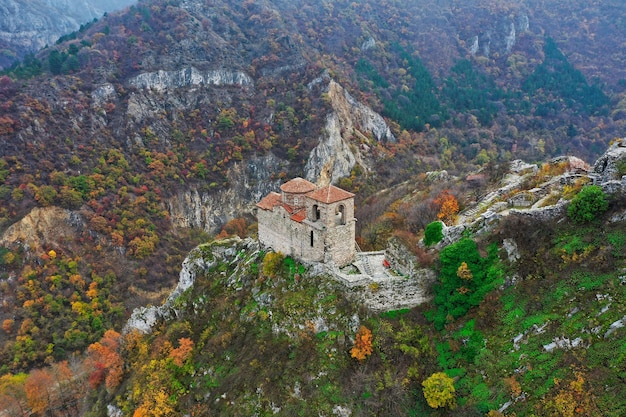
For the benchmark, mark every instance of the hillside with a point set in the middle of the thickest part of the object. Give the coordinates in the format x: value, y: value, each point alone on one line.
x: 155, y: 129
x: 526, y: 318
x: 27, y: 26
x: 261, y: 334
x: 536, y: 331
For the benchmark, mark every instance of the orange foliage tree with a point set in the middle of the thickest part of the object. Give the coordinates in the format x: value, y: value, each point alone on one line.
x: 362, y: 345
x: 449, y: 207
x: 106, y: 360
x: 234, y: 227
x: 38, y: 387
x: 7, y: 325
x: 573, y: 399
x: 182, y: 352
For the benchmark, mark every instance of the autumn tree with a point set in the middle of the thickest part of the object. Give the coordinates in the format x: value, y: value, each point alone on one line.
x: 449, y: 207
x: 439, y: 391
x: 464, y: 272
x: 7, y: 325
x: 106, y: 360
x: 182, y: 352
x: 69, y: 385
x: 272, y: 263
x: 362, y: 345
x: 38, y: 388
x: 573, y: 399
x: 160, y: 405
x: 234, y: 227
x: 13, y: 395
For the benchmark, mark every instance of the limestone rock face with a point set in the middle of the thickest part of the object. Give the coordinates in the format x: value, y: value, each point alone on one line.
x: 500, y: 36
x: 607, y: 167
x: 249, y: 182
x: 186, y: 77
x: 44, y: 226
x: 334, y: 157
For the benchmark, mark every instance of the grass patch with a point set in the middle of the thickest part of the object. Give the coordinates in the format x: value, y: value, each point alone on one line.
x: 394, y: 314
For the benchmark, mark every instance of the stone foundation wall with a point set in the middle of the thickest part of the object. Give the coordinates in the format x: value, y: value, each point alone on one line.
x: 340, y: 241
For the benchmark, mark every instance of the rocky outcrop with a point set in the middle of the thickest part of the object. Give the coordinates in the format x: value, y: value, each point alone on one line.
x: 355, y: 116
x: 187, y: 77
x: 47, y: 226
x: 332, y: 158
x: 249, y: 181
x: 199, y: 260
x: 610, y: 166
x: 542, y: 202
x: 102, y: 94
x: 499, y: 37
x: 347, y: 125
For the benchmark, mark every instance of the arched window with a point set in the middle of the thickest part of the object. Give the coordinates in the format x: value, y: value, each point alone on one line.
x: 316, y: 212
x: 340, y: 215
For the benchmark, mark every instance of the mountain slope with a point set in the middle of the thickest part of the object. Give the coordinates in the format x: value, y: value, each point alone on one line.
x: 173, y: 117
x: 27, y: 26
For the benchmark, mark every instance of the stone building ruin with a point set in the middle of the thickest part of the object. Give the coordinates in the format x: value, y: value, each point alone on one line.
x: 309, y: 223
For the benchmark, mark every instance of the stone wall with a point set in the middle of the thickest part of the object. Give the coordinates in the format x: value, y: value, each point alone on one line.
x: 278, y: 231
x: 312, y: 240
x: 340, y: 244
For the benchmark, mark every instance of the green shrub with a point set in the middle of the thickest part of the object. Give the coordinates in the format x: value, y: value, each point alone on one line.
x: 433, y: 233
x: 588, y: 203
x: 456, y: 290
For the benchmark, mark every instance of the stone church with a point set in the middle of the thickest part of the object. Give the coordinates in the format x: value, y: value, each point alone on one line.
x: 309, y: 223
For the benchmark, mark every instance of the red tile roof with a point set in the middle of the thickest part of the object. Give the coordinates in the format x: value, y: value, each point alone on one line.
x: 299, y: 216
x: 269, y: 201
x: 298, y: 186
x: 289, y: 209
x: 330, y: 194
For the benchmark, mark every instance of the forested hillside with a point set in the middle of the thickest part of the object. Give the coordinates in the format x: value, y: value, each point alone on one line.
x: 27, y: 26
x: 148, y: 131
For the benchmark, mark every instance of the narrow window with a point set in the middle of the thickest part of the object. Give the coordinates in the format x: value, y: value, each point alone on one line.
x: 340, y: 215
x: 316, y: 212
x: 311, y: 238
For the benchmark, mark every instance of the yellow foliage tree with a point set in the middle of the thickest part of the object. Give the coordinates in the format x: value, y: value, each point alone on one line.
x: 439, y: 391
x: 158, y: 406
x: 464, y: 272
x: 362, y: 345
x: 573, y: 399
x: 449, y: 207
x: 272, y: 263
x: 13, y: 395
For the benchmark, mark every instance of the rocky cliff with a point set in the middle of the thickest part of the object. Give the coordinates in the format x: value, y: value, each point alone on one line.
x: 249, y: 182
x: 344, y: 143
x: 48, y: 226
